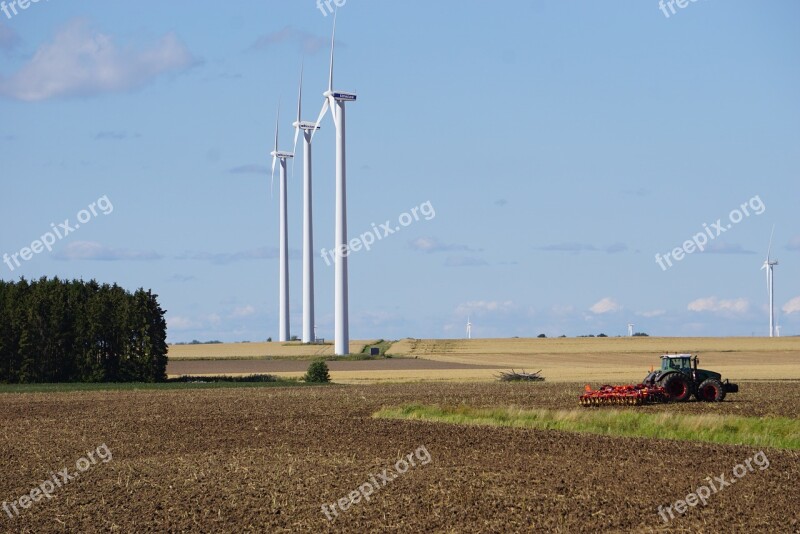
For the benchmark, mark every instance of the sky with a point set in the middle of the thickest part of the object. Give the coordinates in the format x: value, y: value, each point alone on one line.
x: 550, y: 150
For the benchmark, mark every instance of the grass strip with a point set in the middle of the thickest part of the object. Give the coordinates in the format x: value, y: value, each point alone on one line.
x: 774, y: 432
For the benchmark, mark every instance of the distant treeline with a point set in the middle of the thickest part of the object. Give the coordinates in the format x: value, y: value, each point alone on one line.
x: 60, y: 331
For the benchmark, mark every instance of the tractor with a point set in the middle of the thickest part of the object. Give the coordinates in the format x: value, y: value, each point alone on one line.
x: 681, y: 378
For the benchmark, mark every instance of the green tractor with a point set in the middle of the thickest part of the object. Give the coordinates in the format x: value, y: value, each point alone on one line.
x: 680, y: 378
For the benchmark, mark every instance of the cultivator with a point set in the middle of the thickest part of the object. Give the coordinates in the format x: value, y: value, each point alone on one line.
x: 623, y: 395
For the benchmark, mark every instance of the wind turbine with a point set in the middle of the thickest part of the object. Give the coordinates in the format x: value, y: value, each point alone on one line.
x: 768, y: 265
x: 336, y: 101
x: 308, y: 128
x: 630, y: 329
x: 469, y: 329
x: 283, y: 305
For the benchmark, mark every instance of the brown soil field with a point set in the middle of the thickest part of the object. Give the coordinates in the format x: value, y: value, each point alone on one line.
x: 267, y: 459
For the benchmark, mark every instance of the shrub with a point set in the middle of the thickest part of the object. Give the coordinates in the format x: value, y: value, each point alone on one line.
x: 318, y: 373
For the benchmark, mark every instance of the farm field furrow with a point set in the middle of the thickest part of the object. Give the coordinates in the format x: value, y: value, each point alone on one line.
x: 266, y: 460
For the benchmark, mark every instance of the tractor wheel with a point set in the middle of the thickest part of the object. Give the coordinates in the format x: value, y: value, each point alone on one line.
x: 677, y: 387
x: 711, y: 390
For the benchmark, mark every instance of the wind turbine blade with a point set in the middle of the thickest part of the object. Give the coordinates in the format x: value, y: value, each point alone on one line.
x: 769, y: 249
x: 319, y: 119
x: 299, y: 113
x: 274, y: 157
x: 333, y: 111
x: 333, y: 43
x: 272, y: 181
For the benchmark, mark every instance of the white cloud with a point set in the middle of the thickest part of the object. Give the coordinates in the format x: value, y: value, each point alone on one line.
x: 307, y: 42
x: 8, y: 37
x: 793, y: 306
x: 606, y: 305
x: 244, y: 311
x: 464, y: 261
x: 80, y: 62
x: 180, y: 323
x: 484, y: 307
x: 652, y: 313
x: 432, y: 244
x: 713, y: 304
x: 90, y: 250
x: 719, y: 247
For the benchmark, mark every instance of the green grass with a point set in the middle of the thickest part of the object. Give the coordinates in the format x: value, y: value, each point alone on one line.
x: 775, y: 432
x: 141, y: 386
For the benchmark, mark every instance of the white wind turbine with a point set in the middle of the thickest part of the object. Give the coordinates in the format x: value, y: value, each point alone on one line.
x: 336, y: 101
x: 469, y: 329
x: 283, y: 305
x: 768, y: 265
x: 308, y: 128
x: 630, y: 329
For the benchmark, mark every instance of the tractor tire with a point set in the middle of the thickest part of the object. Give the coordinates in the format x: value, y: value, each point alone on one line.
x: 711, y: 390
x: 677, y: 387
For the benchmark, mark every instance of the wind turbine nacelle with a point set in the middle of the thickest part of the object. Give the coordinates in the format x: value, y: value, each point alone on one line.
x: 282, y: 155
x: 347, y: 97
x: 305, y: 125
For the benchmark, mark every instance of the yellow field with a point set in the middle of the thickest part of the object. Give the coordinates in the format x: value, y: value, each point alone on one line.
x: 246, y: 351
x: 594, y: 360
x: 616, y: 359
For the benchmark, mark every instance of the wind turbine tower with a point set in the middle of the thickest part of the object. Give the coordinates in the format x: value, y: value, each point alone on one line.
x: 283, y: 310
x: 308, y: 128
x: 630, y: 329
x: 469, y: 329
x: 336, y: 100
x: 769, y: 264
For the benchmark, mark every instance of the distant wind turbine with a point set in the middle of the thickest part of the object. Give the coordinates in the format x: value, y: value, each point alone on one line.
x: 630, y: 329
x: 336, y: 101
x: 283, y: 305
x: 769, y: 264
x: 469, y: 329
x: 308, y: 128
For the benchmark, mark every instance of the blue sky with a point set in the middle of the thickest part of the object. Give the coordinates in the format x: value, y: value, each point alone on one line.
x: 561, y: 145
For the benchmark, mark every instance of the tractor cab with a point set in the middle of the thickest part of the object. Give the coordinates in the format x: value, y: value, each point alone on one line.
x: 678, y: 362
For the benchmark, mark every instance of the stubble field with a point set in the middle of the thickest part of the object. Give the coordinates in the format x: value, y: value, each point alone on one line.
x: 266, y: 460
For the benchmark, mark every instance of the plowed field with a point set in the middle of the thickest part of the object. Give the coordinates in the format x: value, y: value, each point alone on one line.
x: 266, y: 460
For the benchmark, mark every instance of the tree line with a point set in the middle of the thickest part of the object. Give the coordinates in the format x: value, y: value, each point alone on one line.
x: 76, y: 331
